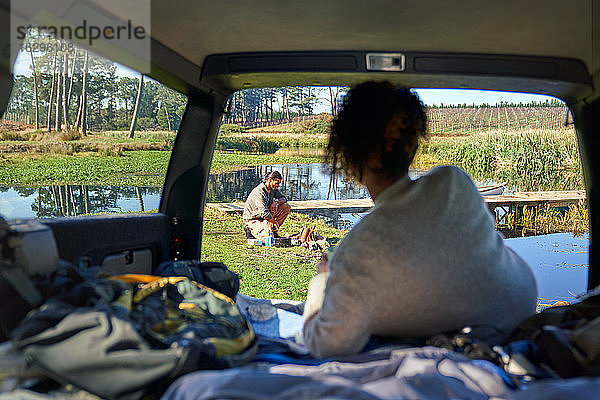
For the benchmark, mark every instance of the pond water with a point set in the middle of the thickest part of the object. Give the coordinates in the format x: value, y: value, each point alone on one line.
x: 70, y: 200
x: 559, y: 261
x: 300, y: 182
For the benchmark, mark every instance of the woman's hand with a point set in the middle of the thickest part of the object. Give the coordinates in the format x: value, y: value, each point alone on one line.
x: 322, y: 266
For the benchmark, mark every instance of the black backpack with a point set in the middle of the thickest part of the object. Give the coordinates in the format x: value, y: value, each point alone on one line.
x: 212, y: 274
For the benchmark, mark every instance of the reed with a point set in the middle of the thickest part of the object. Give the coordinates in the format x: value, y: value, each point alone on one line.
x: 269, y: 142
x: 545, y: 219
x: 529, y: 160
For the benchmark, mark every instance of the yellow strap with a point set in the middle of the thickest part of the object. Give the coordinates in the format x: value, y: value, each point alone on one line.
x: 136, y: 278
x: 228, y: 347
x: 153, y: 283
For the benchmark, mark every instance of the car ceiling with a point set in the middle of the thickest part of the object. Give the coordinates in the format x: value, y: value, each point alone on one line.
x: 544, y: 28
x: 185, y: 33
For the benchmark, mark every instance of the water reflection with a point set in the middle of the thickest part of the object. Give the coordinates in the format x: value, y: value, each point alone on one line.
x: 72, y: 200
x: 559, y: 262
x: 300, y: 182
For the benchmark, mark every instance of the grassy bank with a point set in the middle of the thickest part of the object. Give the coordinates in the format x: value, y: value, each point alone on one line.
x: 266, y: 272
x: 528, y: 161
x: 68, y: 143
x: 132, y: 168
x: 270, y: 272
x: 270, y: 139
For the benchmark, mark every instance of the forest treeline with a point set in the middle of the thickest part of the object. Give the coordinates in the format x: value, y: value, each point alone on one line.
x: 282, y: 103
x: 66, y: 88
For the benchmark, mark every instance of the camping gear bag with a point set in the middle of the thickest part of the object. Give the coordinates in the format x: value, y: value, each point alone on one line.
x: 567, y: 337
x: 121, y: 337
x: 215, y: 275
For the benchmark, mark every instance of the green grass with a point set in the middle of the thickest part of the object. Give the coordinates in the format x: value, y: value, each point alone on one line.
x: 133, y: 168
x: 69, y: 143
x: 266, y: 272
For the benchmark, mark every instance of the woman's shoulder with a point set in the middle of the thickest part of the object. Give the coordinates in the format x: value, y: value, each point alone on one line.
x: 452, y: 185
x: 449, y: 172
x: 449, y: 177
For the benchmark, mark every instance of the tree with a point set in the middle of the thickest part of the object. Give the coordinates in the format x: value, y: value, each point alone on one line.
x: 137, y: 106
x: 35, y: 85
x: 64, y: 93
x: 83, y: 102
x: 49, y: 117
x: 57, y: 125
x: 335, y: 95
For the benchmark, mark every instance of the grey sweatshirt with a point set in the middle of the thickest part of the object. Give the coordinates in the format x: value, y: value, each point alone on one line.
x: 259, y: 201
x: 426, y: 260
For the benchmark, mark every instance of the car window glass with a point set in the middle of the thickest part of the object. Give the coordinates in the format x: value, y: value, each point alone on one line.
x: 513, y: 145
x: 68, y: 143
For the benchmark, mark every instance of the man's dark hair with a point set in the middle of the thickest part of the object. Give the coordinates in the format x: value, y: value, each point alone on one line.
x: 274, y: 175
x: 379, y: 127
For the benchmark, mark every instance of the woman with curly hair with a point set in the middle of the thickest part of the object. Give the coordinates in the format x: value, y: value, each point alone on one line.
x: 427, y: 259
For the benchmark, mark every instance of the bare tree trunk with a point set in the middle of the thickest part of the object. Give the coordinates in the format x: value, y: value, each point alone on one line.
x: 286, y: 101
x: 64, y: 93
x: 72, y: 78
x: 84, y: 97
x: 49, y: 118
x: 62, y: 202
x: 54, y: 197
x: 57, y: 125
x: 79, y: 111
x: 73, y: 205
x: 137, y: 107
x: 332, y: 100
x: 86, y: 199
x: 140, y: 198
x: 35, y: 88
x: 167, y: 114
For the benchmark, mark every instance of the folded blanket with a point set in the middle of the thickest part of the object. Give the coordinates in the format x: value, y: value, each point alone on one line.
x: 423, y: 373
x: 281, y: 319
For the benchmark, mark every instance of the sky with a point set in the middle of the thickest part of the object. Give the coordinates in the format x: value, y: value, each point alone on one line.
x: 478, y: 97
x: 428, y: 96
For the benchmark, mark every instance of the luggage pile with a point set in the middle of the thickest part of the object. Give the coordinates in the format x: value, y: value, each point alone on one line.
x: 125, y: 336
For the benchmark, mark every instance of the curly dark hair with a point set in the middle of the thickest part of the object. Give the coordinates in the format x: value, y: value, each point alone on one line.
x: 378, y: 127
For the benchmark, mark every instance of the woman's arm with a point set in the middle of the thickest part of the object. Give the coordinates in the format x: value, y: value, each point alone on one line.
x: 341, y: 325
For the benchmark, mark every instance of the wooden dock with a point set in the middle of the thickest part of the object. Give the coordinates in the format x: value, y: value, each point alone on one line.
x: 307, y: 206
x: 514, y: 200
x: 520, y: 199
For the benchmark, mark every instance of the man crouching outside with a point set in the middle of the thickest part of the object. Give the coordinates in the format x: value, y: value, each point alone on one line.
x: 266, y: 208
